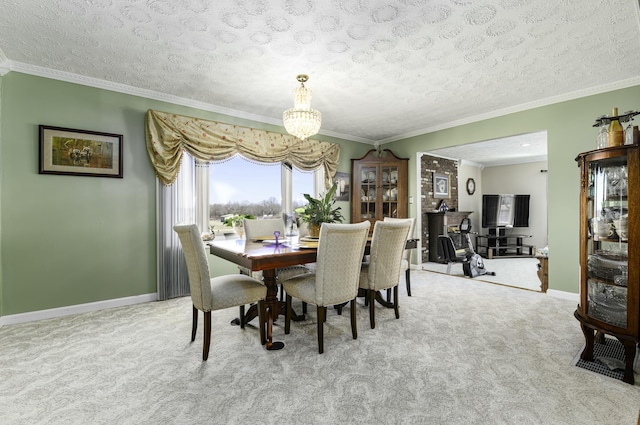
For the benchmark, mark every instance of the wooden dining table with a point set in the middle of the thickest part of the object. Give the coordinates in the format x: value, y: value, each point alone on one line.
x: 267, y: 256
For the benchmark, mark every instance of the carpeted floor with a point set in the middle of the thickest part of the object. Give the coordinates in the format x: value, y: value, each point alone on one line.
x: 463, y: 352
x: 516, y: 272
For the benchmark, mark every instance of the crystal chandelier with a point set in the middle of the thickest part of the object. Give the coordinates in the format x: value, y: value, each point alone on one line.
x: 302, y: 121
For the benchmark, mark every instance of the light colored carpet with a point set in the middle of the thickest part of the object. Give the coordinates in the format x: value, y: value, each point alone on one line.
x: 516, y: 272
x: 463, y: 352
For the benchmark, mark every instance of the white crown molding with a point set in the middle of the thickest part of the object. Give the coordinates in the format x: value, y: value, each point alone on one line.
x: 150, y: 94
x: 8, y: 65
x: 122, y: 88
x: 5, y: 64
x: 468, y: 163
x: 513, y: 161
x: 623, y: 84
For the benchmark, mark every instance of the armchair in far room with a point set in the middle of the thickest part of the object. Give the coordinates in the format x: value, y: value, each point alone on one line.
x: 449, y: 252
x: 406, y: 256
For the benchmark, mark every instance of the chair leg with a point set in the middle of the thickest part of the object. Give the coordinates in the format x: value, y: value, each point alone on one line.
x: 262, y: 321
x: 407, y: 275
x: 354, y: 323
x: 287, y: 316
x: 321, y: 318
x: 395, y: 301
x: 242, y: 316
x: 372, y: 308
x: 194, y: 323
x: 207, y: 335
x: 339, y: 308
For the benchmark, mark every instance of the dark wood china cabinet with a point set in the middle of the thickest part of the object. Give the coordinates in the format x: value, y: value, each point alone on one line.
x: 610, y: 250
x: 379, y: 186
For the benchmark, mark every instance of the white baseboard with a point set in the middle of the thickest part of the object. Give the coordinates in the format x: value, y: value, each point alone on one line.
x: 32, y: 316
x: 564, y: 295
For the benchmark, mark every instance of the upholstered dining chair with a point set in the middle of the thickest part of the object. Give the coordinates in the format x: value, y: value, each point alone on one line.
x: 263, y: 228
x: 449, y: 252
x: 406, y: 255
x: 210, y: 294
x: 385, y: 259
x: 335, y: 281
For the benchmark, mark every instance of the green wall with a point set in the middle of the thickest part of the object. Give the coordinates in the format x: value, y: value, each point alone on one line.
x: 67, y: 240
x: 569, y: 132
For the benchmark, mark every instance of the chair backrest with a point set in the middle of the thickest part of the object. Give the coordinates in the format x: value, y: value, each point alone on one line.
x: 447, y: 248
x: 465, y: 225
x: 197, y: 265
x: 303, y: 229
x: 259, y: 228
x: 339, y: 259
x: 406, y: 254
x: 387, y: 247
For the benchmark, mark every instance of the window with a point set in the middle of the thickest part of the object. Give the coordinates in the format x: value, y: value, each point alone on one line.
x: 240, y: 186
x: 302, y: 182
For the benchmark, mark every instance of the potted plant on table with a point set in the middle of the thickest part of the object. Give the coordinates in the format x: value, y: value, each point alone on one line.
x: 237, y: 222
x: 320, y: 210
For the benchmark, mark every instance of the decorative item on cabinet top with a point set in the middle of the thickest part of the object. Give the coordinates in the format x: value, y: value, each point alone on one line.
x: 630, y: 133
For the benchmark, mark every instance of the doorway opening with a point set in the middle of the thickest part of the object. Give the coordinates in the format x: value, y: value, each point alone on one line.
x: 510, y: 165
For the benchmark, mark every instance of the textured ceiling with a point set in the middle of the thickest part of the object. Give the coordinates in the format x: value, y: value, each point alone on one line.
x: 380, y: 70
x: 515, y: 149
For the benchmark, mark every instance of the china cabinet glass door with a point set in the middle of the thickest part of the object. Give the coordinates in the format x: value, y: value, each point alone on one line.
x: 379, y: 187
x: 607, y: 253
x: 368, y: 184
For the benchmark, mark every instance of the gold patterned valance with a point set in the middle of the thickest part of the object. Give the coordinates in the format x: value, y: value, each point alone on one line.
x: 168, y: 135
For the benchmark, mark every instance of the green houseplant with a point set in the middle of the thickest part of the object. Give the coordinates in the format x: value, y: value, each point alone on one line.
x: 320, y: 210
x: 237, y: 219
x: 237, y: 222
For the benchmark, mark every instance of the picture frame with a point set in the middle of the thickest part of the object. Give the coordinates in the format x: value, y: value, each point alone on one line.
x: 441, y: 185
x: 343, y: 181
x: 68, y: 151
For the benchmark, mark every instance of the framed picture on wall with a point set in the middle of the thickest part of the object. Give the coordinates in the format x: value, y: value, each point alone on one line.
x: 342, y: 180
x: 440, y: 185
x: 74, y: 152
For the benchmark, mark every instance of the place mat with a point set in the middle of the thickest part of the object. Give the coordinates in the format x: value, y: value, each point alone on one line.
x: 308, y: 245
x: 263, y: 238
x: 611, y: 349
x: 308, y: 239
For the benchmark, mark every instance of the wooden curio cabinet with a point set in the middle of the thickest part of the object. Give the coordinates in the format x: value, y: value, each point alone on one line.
x: 379, y: 186
x: 610, y: 249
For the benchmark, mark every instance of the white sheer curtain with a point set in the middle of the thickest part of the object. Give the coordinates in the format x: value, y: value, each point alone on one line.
x: 182, y: 202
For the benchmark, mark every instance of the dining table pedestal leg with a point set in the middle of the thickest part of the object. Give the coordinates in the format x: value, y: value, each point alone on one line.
x: 272, y: 309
